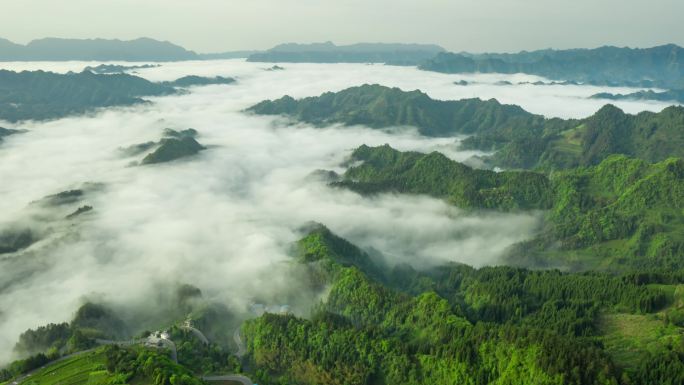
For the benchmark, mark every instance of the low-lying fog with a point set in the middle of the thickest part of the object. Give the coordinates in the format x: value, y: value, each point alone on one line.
x: 225, y: 219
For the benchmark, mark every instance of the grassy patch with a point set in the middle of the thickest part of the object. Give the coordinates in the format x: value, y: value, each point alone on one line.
x: 629, y: 337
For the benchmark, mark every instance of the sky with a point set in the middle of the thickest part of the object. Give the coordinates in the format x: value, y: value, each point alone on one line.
x: 457, y: 25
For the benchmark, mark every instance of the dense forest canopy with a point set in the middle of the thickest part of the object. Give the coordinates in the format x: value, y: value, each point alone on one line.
x: 622, y: 213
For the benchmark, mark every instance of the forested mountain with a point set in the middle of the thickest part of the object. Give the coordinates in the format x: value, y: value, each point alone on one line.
x: 397, y: 54
x: 384, y: 169
x: 53, y: 49
x: 395, y: 325
x: 380, y: 107
x: 521, y: 139
x: 455, y: 324
x: 623, y: 213
x: 192, y: 80
x: 650, y: 136
x: 174, y: 145
x: 39, y: 95
x: 657, y: 66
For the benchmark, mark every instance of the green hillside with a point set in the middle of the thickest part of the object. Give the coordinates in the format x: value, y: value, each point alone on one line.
x: 459, y: 325
x: 40, y: 95
x: 622, y: 213
x: 521, y: 140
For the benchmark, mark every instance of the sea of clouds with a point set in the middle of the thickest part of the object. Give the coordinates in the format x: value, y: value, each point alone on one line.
x: 225, y: 220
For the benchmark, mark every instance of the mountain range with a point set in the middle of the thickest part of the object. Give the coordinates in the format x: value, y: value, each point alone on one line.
x: 54, y: 49
x: 661, y: 66
x: 398, y: 54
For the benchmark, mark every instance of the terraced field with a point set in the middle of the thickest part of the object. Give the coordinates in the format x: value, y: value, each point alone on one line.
x: 88, y: 368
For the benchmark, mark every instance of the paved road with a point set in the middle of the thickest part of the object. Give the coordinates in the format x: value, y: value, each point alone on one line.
x: 231, y: 377
x: 197, y: 334
x: 174, y: 356
x: 118, y: 343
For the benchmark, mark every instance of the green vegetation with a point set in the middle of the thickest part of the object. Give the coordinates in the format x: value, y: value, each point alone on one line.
x: 623, y: 213
x: 200, y: 358
x: 520, y: 139
x: 146, y: 366
x: 191, y: 80
x: 174, y: 145
x: 172, y: 149
x: 395, y: 325
x: 665, y: 96
x: 380, y: 107
x: 42, y: 95
x: 84, y: 368
x: 108, y: 69
x: 650, y: 67
x: 114, y: 365
x: 455, y: 324
x: 386, y: 169
x: 90, y: 321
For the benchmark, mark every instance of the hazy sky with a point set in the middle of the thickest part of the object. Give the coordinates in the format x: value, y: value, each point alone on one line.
x: 472, y: 25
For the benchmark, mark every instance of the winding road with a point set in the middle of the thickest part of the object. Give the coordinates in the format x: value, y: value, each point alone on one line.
x: 231, y: 377
x: 197, y: 334
x: 174, y: 355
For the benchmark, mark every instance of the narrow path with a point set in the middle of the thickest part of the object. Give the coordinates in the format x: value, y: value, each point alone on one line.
x: 197, y: 334
x: 167, y: 343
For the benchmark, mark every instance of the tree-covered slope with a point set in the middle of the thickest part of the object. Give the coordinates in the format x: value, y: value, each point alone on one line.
x: 621, y: 213
x: 451, y: 324
x: 42, y: 95
x: 381, y: 107
x: 459, y: 325
x: 521, y: 139
x: 657, y: 66
x: 175, y: 145
x: 384, y: 169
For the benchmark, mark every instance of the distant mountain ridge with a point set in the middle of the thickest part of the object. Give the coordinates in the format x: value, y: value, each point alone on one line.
x: 328, y: 52
x: 661, y: 66
x: 55, y: 49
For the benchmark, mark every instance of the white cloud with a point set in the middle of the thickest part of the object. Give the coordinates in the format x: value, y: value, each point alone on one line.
x: 224, y: 220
